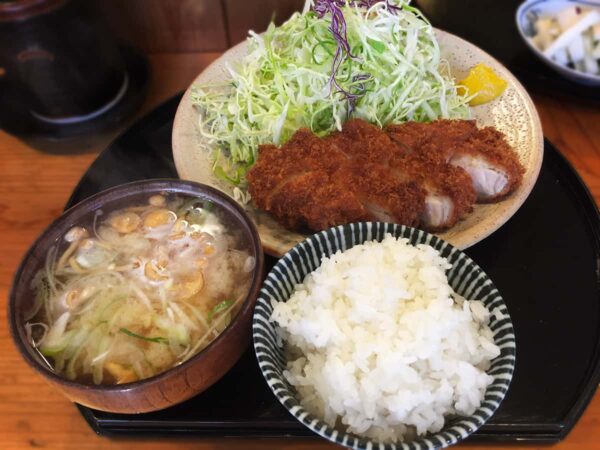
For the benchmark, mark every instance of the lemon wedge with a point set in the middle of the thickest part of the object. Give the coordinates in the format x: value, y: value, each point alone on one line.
x: 483, y: 83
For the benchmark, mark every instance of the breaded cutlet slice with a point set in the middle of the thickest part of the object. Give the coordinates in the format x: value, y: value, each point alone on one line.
x: 313, y: 201
x: 384, y: 196
x: 278, y: 165
x: 293, y: 183
x: 439, y: 136
x: 484, y: 153
x: 362, y: 140
x: 449, y: 190
x: 491, y: 163
x: 449, y: 193
x: 310, y: 183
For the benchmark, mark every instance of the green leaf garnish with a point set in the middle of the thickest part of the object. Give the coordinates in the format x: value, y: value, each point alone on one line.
x: 219, y: 308
x: 378, y: 46
x: 156, y: 340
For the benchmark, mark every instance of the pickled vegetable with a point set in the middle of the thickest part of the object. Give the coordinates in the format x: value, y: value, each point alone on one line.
x: 483, y: 85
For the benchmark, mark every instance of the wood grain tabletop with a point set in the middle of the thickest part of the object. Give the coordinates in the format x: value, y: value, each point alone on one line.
x: 34, y: 187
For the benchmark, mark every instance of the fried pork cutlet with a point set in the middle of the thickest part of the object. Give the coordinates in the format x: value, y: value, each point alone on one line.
x: 313, y: 201
x: 444, y: 134
x: 418, y: 174
x: 483, y: 153
x: 449, y: 190
x: 491, y: 163
x: 309, y: 184
x: 385, y: 197
x: 449, y: 193
x: 363, y: 141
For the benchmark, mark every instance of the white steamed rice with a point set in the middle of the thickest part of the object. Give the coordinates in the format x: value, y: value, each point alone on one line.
x: 380, y: 344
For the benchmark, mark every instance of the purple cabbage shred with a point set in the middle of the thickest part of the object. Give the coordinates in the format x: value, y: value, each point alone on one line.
x: 343, y: 51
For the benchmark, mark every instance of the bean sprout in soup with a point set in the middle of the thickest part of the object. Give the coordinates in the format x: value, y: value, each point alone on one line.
x: 138, y: 290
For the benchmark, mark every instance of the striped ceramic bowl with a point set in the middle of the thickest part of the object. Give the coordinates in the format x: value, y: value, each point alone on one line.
x: 465, y: 277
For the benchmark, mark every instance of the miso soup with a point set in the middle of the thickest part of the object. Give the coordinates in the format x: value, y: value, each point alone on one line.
x: 138, y: 290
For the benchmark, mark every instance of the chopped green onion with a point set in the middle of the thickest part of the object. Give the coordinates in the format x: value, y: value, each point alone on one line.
x: 219, y: 308
x: 156, y: 340
x: 208, y: 205
x: 195, y: 210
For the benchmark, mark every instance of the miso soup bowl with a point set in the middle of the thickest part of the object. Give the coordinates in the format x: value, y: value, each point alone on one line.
x: 180, y: 382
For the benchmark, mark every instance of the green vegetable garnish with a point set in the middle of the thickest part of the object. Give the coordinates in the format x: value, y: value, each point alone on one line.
x: 196, y: 211
x: 390, y: 68
x: 157, y: 340
x: 219, y: 308
x: 378, y: 46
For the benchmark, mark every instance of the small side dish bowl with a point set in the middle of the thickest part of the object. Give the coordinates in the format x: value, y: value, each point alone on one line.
x: 180, y: 382
x: 465, y: 277
x: 525, y: 16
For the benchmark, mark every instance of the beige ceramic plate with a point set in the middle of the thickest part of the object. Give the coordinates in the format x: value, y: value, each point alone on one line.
x: 513, y: 113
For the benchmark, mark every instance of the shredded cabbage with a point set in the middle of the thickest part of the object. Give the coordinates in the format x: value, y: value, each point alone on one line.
x: 393, y: 73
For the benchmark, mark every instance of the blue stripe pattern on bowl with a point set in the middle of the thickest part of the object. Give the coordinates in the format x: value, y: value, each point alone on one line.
x: 465, y: 277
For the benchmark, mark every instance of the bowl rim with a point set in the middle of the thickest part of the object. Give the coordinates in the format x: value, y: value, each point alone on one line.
x: 521, y: 13
x: 172, y: 185
x: 368, y: 231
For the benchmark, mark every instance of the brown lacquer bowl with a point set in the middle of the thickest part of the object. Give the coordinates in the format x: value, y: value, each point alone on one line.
x: 176, y: 384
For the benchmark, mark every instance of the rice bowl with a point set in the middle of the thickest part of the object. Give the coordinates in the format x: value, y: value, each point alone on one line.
x: 372, y: 363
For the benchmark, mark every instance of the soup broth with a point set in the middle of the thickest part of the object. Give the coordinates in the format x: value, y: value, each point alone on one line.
x: 138, y: 290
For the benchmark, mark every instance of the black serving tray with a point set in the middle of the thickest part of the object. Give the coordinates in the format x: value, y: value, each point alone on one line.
x: 544, y: 261
x: 491, y: 25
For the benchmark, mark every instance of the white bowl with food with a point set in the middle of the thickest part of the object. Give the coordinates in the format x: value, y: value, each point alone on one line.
x: 262, y: 94
x: 565, y: 35
x: 377, y: 335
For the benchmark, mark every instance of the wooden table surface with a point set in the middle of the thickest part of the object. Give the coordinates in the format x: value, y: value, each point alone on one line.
x: 34, y: 188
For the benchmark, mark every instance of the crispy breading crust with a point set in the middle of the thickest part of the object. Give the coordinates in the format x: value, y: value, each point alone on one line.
x: 385, y: 197
x: 439, y: 137
x: 365, y: 141
x: 313, y: 183
x: 314, y: 201
x: 363, y: 173
x: 276, y: 166
x: 444, y: 140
